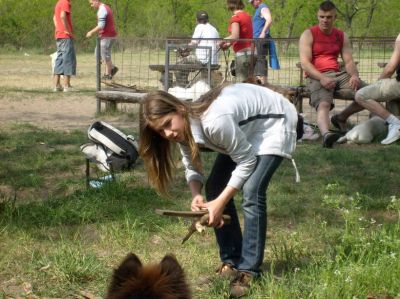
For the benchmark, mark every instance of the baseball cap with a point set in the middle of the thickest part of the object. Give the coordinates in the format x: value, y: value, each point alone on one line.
x: 202, y: 15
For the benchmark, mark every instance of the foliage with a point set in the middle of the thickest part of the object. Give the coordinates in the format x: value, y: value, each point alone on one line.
x: 33, y: 28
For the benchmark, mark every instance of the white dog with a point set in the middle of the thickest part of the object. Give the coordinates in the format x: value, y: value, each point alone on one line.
x: 365, y: 132
x: 192, y: 93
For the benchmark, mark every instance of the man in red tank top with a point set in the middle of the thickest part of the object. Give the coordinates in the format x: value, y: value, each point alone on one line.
x: 106, y: 30
x: 320, y: 47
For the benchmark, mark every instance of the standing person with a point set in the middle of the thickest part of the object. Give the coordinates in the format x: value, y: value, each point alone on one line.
x: 252, y: 128
x: 385, y: 89
x: 320, y: 47
x: 65, y: 63
x: 240, y: 27
x: 262, y: 21
x: 106, y: 30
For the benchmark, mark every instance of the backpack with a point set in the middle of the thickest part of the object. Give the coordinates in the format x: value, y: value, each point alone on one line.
x: 111, y: 149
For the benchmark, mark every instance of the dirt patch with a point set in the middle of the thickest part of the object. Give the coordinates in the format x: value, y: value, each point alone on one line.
x: 26, y: 96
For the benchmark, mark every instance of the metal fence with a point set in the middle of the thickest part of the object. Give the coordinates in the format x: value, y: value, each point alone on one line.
x: 150, y: 64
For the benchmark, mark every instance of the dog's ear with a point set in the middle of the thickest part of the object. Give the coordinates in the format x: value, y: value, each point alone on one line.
x: 169, y: 265
x: 129, y: 268
x: 171, y: 268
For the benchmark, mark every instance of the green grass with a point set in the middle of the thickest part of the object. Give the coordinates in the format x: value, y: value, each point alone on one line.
x: 336, y: 234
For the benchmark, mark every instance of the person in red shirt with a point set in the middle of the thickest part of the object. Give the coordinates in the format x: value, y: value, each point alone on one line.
x: 240, y: 27
x: 65, y: 63
x: 106, y: 30
x: 320, y: 47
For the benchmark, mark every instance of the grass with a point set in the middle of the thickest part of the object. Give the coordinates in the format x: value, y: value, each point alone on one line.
x: 334, y: 235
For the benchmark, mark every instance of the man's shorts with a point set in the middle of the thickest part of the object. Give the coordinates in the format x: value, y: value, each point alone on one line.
x: 242, y: 64
x: 381, y: 91
x: 319, y: 93
x: 65, y: 63
x: 105, y: 48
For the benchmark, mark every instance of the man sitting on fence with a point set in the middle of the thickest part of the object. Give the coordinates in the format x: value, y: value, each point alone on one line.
x: 204, y: 35
x: 385, y: 89
x: 320, y: 47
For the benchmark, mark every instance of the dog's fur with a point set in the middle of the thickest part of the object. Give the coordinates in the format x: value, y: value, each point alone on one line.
x: 365, y: 132
x: 193, y: 92
x: 132, y: 280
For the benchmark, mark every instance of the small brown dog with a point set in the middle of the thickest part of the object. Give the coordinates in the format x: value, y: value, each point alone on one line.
x: 132, y: 280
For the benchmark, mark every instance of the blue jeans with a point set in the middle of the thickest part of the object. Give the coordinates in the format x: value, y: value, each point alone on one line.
x: 245, y: 252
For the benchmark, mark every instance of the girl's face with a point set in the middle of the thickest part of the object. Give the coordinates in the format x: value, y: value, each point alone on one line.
x: 170, y: 127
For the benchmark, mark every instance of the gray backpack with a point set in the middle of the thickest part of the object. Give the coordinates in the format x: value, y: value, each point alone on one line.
x: 111, y: 149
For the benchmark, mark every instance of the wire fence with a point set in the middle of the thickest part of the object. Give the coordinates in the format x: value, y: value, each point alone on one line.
x: 150, y: 64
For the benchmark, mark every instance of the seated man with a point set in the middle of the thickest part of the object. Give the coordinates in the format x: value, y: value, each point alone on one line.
x: 385, y: 89
x: 205, y: 35
x: 320, y: 47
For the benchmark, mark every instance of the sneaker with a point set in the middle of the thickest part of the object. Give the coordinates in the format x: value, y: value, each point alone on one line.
x: 329, y: 139
x: 106, y: 77
x: 393, y: 134
x: 57, y: 88
x: 240, y: 285
x: 114, y: 70
x: 69, y: 89
x: 225, y: 271
x: 338, y: 124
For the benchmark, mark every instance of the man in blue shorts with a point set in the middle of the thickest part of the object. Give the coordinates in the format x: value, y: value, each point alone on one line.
x: 65, y: 63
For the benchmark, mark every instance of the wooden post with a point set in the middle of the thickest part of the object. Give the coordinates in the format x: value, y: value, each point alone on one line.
x: 98, y: 72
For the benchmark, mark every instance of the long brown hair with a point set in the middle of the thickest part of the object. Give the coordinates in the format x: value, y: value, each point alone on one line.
x: 156, y: 151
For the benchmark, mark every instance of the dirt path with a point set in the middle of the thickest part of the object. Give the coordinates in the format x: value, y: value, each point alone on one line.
x: 26, y: 96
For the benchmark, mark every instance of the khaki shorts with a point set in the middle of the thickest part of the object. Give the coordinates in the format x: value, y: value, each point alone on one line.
x: 105, y: 48
x: 242, y: 60
x: 321, y: 94
x: 381, y: 91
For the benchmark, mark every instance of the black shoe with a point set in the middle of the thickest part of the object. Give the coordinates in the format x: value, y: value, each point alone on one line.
x: 336, y: 123
x: 106, y: 77
x: 114, y: 70
x: 329, y: 139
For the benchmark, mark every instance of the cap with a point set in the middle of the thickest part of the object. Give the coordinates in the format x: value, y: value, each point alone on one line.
x: 202, y: 15
x: 251, y: 1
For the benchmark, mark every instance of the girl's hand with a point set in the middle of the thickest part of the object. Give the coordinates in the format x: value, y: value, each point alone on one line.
x: 215, y: 209
x: 197, y: 202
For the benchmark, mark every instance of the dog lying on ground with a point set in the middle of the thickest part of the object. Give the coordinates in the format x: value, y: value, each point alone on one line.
x: 132, y: 280
x: 365, y: 132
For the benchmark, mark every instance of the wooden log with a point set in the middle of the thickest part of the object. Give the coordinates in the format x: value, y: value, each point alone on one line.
x: 120, y: 96
x: 182, y: 67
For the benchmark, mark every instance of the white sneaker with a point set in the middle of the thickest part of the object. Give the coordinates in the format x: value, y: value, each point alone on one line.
x: 69, y: 89
x: 393, y: 134
x: 57, y: 88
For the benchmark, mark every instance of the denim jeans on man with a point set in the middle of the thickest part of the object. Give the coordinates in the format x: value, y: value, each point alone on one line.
x: 245, y: 252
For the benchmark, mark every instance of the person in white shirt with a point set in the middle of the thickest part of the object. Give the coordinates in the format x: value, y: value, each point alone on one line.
x: 206, y: 35
x: 252, y: 128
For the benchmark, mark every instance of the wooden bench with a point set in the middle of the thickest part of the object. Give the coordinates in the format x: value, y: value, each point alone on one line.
x: 112, y: 97
x: 303, y: 91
